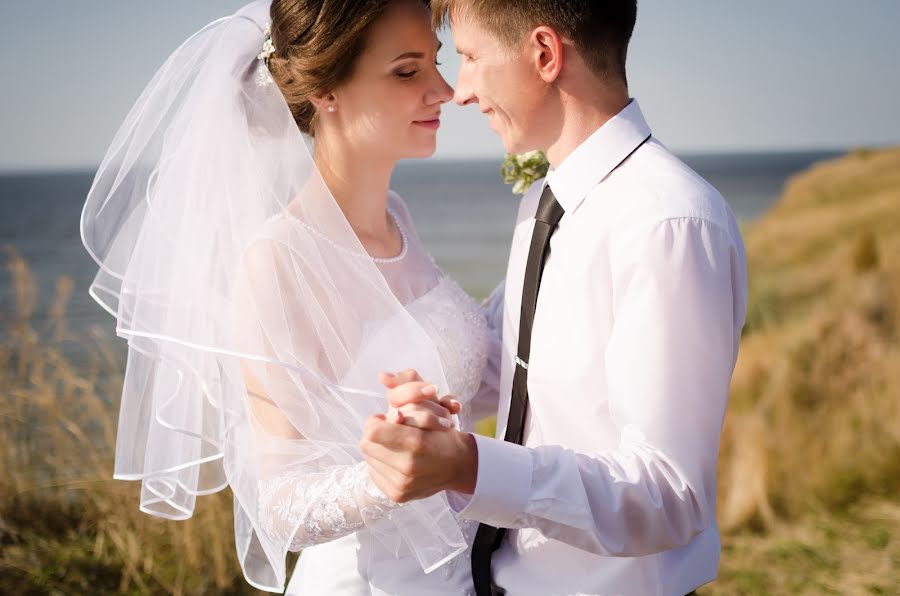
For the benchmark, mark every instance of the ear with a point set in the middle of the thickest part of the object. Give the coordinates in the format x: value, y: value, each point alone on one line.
x: 547, y: 48
x: 323, y: 101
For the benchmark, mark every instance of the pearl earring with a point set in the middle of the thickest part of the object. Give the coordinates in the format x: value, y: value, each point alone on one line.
x: 331, y: 108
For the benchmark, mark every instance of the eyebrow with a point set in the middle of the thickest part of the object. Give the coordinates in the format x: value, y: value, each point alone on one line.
x: 418, y: 55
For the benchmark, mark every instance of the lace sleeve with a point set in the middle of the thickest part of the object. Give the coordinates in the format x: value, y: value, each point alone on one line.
x: 305, y: 509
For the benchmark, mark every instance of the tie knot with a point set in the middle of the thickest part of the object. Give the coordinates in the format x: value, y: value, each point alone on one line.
x: 549, y: 210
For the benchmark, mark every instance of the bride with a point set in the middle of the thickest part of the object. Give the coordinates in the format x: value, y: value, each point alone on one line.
x: 262, y: 286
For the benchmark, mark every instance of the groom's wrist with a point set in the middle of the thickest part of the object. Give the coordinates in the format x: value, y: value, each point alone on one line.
x: 466, y: 468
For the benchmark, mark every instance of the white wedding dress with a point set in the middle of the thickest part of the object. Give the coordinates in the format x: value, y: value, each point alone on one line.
x: 324, y: 512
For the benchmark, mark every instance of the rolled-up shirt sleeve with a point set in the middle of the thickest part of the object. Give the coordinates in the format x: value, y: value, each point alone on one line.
x: 671, y: 352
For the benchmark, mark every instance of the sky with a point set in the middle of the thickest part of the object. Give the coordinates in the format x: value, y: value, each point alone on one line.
x: 768, y: 75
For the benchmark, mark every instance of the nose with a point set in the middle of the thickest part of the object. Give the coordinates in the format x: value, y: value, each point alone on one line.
x: 464, y: 96
x: 444, y: 91
x: 464, y: 93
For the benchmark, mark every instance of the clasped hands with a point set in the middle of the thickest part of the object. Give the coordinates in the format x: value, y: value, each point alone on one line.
x: 413, y: 451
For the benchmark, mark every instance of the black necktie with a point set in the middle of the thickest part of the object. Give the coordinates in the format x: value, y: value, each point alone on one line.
x: 549, y: 212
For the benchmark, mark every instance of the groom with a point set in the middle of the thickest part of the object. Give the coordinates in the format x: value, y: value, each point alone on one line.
x: 625, y: 297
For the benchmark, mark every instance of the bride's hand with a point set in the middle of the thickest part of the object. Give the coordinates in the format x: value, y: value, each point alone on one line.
x: 426, y: 415
x: 407, y: 387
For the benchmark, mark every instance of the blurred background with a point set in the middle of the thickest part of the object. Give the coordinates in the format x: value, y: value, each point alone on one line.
x: 792, y: 110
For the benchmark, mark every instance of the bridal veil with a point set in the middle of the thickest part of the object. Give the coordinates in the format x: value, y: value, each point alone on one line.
x: 256, y: 324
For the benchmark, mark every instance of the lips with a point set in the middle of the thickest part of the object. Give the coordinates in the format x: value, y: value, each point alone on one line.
x: 432, y: 123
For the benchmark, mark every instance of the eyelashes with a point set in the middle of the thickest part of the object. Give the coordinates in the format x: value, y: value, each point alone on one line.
x: 406, y: 75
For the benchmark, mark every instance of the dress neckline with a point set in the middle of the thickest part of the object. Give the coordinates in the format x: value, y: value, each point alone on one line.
x: 403, y: 239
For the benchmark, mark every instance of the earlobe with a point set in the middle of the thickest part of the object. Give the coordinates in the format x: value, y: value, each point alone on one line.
x: 325, y: 102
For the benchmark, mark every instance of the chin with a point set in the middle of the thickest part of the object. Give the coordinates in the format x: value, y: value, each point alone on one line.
x: 518, y: 144
x: 513, y: 145
x: 422, y: 151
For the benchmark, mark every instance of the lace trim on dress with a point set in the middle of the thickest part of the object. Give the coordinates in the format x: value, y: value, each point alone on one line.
x: 321, y: 507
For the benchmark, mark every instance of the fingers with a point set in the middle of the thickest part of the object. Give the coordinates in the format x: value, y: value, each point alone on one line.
x: 394, y: 416
x: 391, y: 380
x: 452, y: 406
x: 426, y: 416
x: 391, y: 436
x: 412, y: 392
x: 385, y: 458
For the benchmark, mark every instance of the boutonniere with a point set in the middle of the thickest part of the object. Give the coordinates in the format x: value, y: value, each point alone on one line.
x: 522, y: 170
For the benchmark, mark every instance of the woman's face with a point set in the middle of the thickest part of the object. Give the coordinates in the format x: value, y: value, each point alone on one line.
x: 391, y: 105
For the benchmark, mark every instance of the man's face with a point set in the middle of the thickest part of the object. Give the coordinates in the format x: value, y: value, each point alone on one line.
x: 503, y: 81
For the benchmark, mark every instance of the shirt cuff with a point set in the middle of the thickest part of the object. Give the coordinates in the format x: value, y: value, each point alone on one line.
x: 503, y: 484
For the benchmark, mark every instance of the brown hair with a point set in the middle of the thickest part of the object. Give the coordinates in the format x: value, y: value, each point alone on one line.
x: 600, y: 29
x: 317, y: 44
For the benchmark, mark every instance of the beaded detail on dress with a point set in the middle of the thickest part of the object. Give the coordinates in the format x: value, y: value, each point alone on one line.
x: 454, y: 321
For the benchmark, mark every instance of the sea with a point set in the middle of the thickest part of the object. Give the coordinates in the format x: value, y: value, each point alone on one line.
x: 463, y: 212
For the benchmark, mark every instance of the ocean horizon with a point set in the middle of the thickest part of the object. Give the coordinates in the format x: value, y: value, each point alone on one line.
x: 463, y: 212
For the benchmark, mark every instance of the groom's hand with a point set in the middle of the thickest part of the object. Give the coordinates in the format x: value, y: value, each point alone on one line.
x: 409, y: 463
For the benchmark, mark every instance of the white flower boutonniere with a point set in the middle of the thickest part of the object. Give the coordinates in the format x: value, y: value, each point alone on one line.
x: 524, y: 169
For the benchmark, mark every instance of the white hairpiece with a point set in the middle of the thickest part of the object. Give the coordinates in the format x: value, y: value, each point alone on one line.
x: 268, y: 46
x: 265, y: 76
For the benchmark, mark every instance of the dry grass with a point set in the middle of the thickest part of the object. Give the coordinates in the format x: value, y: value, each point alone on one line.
x: 65, y: 525
x: 810, y: 460
x: 814, y: 420
x: 857, y: 552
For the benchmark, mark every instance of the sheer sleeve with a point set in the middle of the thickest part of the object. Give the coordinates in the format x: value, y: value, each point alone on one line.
x: 305, y: 509
x: 313, y: 499
x: 311, y: 490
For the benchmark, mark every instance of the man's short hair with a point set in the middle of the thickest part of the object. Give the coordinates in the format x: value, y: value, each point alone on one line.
x: 600, y: 29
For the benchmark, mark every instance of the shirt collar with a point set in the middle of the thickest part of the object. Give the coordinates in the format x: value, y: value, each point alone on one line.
x: 597, y: 156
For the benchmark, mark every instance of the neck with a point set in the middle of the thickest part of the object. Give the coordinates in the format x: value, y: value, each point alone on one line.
x: 359, y: 184
x: 581, y: 111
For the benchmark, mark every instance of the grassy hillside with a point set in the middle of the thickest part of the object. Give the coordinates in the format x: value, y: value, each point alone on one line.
x: 814, y: 418
x: 810, y: 460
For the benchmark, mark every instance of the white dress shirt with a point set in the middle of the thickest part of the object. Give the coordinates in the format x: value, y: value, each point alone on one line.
x: 635, y: 337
